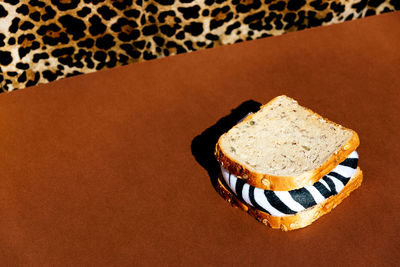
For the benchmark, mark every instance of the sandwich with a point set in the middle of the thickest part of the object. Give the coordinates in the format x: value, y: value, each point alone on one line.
x: 286, y: 165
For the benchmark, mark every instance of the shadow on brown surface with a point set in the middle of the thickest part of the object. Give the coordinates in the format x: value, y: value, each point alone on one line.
x: 203, y: 145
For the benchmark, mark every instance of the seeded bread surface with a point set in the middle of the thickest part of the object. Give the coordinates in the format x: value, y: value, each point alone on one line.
x: 284, y: 146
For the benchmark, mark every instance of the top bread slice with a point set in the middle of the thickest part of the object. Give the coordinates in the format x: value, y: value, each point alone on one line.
x: 284, y: 146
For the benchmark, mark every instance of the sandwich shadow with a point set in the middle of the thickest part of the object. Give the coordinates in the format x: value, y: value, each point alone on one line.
x: 203, y: 145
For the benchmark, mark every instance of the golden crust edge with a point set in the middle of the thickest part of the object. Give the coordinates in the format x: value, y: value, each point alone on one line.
x: 286, y: 183
x: 299, y: 220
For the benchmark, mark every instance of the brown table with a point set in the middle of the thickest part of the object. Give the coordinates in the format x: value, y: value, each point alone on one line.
x: 115, y: 168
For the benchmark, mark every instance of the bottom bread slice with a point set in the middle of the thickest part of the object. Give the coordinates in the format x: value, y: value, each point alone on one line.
x: 300, y: 219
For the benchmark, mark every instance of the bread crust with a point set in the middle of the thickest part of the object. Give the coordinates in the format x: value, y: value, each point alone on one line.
x: 286, y: 183
x: 300, y: 219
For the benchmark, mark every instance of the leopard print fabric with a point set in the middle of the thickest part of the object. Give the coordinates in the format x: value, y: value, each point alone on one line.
x: 42, y: 41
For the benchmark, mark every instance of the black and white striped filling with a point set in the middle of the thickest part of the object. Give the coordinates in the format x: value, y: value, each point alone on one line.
x: 283, y: 203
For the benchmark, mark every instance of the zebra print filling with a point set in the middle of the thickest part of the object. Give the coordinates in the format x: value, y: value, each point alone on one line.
x: 283, y: 203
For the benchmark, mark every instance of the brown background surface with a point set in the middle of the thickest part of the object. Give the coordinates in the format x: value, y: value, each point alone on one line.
x: 100, y: 169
